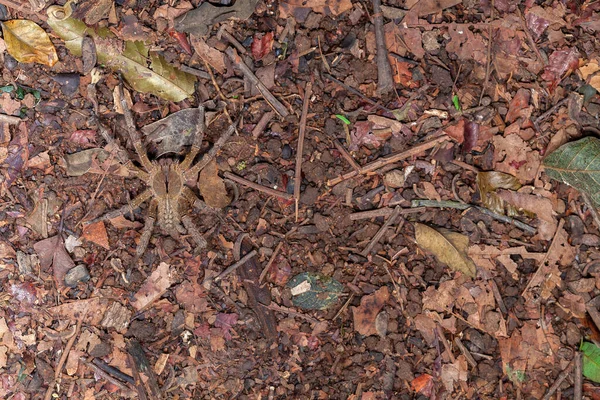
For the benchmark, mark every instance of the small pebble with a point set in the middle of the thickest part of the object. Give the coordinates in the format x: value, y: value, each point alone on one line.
x: 9, y: 62
x: 77, y: 274
x: 69, y: 83
x: 286, y: 152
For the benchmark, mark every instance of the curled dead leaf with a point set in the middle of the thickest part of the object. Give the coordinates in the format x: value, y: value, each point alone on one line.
x: 27, y: 42
x: 448, y: 247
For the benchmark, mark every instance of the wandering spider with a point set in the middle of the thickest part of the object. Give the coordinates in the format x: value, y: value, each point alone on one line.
x: 171, y: 200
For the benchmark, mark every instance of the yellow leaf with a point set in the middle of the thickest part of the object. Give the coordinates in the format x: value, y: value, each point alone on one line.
x: 27, y: 42
x: 448, y: 247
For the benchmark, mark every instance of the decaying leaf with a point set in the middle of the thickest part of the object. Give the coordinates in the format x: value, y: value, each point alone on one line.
x: 212, y: 56
x: 154, y: 286
x: 27, y: 42
x: 130, y: 58
x: 489, y: 182
x: 448, y: 247
x: 174, y: 131
x: 314, y: 291
x: 261, y: 45
x: 212, y: 188
x: 96, y: 233
x: 577, y: 164
x: 52, y: 253
x: 79, y: 163
x: 365, y: 315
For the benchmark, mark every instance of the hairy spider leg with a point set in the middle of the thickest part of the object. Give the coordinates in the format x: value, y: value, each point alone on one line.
x: 135, y: 203
x: 148, y: 228
x: 136, y: 139
x: 193, y: 171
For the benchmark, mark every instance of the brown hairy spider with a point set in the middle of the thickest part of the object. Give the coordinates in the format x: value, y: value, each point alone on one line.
x: 171, y: 200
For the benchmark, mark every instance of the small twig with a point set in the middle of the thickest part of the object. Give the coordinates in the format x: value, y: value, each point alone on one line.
x: 542, y: 266
x: 489, y: 57
x: 375, y: 165
x: 381, y: 231
x: 256, y: 186
x: 530, y: 38
x: 224, y: 33
x: 241, y: 65
x: 591, y: 308
x: 577, y: 384
x: 559, y: 379
x: 465, y: 352
x: 9, y: 119
x: 383, y: 212
x: 323, y: 59
x: 385, y: 79
x: 286, y: 310
x: 262, y: 123
x: 356, y: 92
x: 551, y: 111
x: 195, y: 72
x: 440, y: 204
x: 63, y: 359
x: 109, y: 369
x: 271, y: 260
x: 346, y: 155
x: 300, y: 152
x: 127, y: 392
x: 235, y: 266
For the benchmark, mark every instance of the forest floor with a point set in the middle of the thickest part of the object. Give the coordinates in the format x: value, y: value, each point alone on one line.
x: 375, y: 214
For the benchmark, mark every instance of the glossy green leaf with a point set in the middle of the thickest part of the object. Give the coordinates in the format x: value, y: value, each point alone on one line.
x: 456, y: 103
x: 343, y: 119
x: 145, y: 71
x: 591, y: 361
x: 312, y: 291
x: 577, y: 164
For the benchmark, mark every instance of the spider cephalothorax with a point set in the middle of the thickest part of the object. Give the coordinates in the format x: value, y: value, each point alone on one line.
x: 171, y: 199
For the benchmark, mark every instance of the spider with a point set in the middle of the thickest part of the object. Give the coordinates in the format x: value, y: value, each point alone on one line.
x: 166, y: 180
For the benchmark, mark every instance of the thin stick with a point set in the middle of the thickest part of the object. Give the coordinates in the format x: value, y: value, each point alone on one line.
x: 223, y: 32
x: 530, y: 38
x: 590, y: 307
x: 384, y: 212
x: 63, y: 359
x: 356, y: 92
x: 241, y: 65
x: 375, y: 165
x: 9, y: 119
x: 262, y: 123
x: 256, y: 186
x: 381, y: 231
x: 127, y: 392
x: 271, y: 260
x: 489, y: 57
x: 235, y: 266
x: 195, y: 72
x: 561, y: 377
x: 465, y: 352
x: 300, y: 152
x: 385, y: 79
x: 577, y: 384
x: 346, y: 155
x: 275, y: 307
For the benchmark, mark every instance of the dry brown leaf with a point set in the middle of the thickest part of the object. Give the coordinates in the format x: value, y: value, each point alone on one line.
x: 366, y: 314
x: 212, y: 187
x: 122, y: 222
x: 27, y: 42
x: 212, y: 56
x: 540, y: 206
x: 515, y: 157
x: 448, y: 247
x: 154, y: 286
x: 52, y: 253
x: 488, y: 183
x: 96, y: 233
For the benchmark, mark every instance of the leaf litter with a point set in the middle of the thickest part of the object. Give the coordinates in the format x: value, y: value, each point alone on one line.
x: 448, y: 311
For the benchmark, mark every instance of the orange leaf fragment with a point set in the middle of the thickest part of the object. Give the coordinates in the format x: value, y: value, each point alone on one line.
x: 96, y: 233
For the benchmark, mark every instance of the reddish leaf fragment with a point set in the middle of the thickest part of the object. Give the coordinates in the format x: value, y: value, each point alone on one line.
x: 226, y: 322
x: 25, y: 293
x: 154, y: 286
x: 192, y: 297
x: 471, y: 136
x: 536, y: 23
x: 456, y: 131
x: 517, y: 105
x: 366, y: 314
x: 280, y: 271
x: 83, y: 136
x: 561, y: 64
x: 182, y: 39
x: 261, y: 46
x: 96, y: 233
x: 18, y: 155
x: 423, y: 384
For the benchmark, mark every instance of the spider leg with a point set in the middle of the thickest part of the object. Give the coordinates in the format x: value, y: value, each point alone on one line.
x: 135, y: 136
x: 193, y: 171
x: 147, y: 231
x: 187, y: 220
x: 121, y: 154
x: 199, y: 135
x: 135, y: 203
